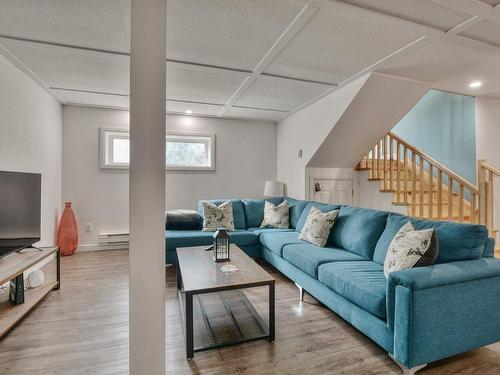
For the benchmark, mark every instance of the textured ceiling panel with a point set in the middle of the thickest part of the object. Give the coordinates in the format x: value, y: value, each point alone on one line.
x: 72, y: 68
x: 422, y: 11
x: 256, y: 114
x: 485, y: 31
x: 279, y: 94
x: 332, y: 48
x: 102, y: 24
x: 196, y: 108
x: 233, y: 33
x: 201, y: 84
x: 92, y: 99
x: 491, y: 2
x: 450, y: 67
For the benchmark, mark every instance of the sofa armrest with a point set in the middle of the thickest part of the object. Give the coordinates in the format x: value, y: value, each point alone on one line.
x: 489, y: 248
x: 444, y: 309
x: 446, y: 273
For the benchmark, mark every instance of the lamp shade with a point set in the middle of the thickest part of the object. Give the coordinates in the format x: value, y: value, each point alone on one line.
x: 274, y: 189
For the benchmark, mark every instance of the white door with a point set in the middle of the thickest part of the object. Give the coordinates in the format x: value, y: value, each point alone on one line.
x: 332, y: 191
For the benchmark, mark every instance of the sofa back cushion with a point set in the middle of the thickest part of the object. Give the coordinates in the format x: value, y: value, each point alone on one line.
x: 238, y: 211
x: 254, y: 210
x: 457, y: 241
x: 295, y: 210
x: 358, y: 230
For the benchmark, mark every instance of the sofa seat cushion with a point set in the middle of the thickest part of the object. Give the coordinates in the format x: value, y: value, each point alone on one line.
x: 269, y: 230
x: 184, y: 238
x: 457, y: 241
x: 362, y: 283
x: 275, y: 241
x: 308, y: 257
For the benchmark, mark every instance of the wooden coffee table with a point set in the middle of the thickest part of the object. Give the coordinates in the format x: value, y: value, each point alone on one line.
x: 215, y: 309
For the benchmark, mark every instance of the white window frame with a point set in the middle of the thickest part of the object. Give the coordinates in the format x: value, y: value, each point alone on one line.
x: 106, y: 147
x: 208, y: 139
x: 107, y: 135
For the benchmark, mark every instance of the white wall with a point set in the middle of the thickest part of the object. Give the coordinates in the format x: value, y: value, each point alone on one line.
x: 378, y: 106
x: 487, y: 146
x: 245, y: 158
x: 30, y: 139
x: 305, y: 130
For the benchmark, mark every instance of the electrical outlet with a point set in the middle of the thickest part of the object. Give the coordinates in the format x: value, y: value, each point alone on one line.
x: 88, y: 227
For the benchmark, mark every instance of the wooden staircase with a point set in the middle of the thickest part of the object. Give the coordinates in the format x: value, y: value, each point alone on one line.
x: 427, y: 188
x: 410, y: 186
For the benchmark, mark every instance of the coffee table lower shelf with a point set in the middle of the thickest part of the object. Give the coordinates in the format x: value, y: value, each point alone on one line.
x: 223, y: 318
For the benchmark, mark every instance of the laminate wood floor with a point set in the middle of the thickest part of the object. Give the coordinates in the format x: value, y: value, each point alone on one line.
x: 83, y: 329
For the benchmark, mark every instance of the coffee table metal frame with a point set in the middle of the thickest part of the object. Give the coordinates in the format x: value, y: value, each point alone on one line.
x: 187, y: 307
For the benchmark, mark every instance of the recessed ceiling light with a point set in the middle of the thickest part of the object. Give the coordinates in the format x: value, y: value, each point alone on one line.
x: 475, y: 84
x: 189, y: 111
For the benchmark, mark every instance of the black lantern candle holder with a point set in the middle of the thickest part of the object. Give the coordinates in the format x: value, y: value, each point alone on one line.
x: 221, y: 245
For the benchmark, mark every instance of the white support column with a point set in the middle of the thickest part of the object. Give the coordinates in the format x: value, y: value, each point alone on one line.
x: 147, y: 187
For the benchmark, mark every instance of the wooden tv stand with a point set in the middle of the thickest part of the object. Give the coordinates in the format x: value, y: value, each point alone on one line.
x: 15, y: 264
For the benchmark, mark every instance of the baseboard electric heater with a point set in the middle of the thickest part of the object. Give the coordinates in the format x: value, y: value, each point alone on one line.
x: 114, y: 239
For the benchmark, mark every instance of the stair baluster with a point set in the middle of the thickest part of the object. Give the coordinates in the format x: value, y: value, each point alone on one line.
x: 440, y: 195
x: 391, y: 156
x: 430, y: 194
x: 451, y: 187
x: 421, y: 185
x: 414, y: 184
x: 426, y: 187
x: 398, y: 172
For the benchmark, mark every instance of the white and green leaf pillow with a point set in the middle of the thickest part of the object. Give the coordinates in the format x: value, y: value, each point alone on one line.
x: 411, y: 248
x: 276, y: 216
x: 318, y: 225
x: 217, y: 217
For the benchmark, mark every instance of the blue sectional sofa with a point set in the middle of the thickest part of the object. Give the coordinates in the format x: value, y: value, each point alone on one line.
x: 418, y: 315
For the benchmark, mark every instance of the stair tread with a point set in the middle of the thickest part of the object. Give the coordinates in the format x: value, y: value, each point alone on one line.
x: 400, y: 203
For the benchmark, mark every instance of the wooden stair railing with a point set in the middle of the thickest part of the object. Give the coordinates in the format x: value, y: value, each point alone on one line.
x: 486, y: 176
x: 428, y: 189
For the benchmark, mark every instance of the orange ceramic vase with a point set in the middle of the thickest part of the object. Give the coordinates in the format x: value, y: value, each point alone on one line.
x: 67, y: 233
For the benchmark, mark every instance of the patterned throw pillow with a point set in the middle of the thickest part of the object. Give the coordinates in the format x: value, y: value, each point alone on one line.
x: 318, y: 226
x: 411, y: 248
x: 217, y: 217
x: 276, y: 216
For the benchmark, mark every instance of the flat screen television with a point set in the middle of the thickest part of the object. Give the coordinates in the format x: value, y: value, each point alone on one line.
x: 20, y: 204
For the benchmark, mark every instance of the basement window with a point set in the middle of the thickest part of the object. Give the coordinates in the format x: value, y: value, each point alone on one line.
x: 190, y: 151
x: 184, y: 151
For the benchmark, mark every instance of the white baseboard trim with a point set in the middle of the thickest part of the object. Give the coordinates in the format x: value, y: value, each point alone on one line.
x: 99, y: 247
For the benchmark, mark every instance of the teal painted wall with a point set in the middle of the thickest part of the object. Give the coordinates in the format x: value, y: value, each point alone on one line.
x: 443, y: 125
